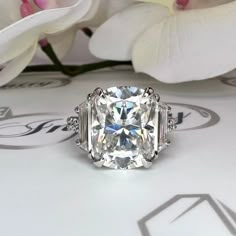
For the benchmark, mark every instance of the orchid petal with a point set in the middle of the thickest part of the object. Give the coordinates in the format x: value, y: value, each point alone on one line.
x: 93, y: 17
x: 192, y: 45
x: 167, y: 3
x: 103, y: 9
x: 198, y: 4
x: 9, y: 12
x: 16, y: 66
x: 15, y: 38
x: 61, y: 43
x: 114, y: 6
x: 115, y: 38
x: 79, y: 12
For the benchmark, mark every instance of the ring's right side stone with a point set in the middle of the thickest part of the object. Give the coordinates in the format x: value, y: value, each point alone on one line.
x: 163, y: 126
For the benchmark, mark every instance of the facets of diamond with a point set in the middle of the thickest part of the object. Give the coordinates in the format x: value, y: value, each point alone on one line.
x: 83, y: 126
x: 123, y: 127
x: 163, y: 125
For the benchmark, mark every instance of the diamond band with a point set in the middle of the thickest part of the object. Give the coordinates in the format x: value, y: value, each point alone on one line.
x: 122, y: 127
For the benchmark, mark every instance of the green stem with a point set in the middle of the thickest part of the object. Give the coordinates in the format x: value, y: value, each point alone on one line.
x: 77, y: 70
x: 97, y: 66
x: 74, y: 70
x: 47, y: 68
x: 48, y: 50
x: 88, y: 32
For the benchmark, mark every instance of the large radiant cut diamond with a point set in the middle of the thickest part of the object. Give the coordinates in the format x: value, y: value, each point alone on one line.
x: 124, y: 127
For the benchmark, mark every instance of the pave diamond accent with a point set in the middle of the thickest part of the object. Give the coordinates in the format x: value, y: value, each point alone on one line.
x: 123, y: 127
x: 73, y: 123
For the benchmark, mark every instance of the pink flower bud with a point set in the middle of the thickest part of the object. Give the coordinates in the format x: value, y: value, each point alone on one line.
x: 182, y: 3
x: 42, y: 4
x: 46, y: 4
x: 26, y: 9
x: 43, y: 42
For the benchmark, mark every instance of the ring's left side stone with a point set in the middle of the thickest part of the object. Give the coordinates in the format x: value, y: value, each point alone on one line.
x: 83, y: 126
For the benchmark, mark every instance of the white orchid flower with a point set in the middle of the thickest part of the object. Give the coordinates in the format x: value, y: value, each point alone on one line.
x: 24, y: 23
x: 194, y: 42
x: 198, y: 4
x: 104, y: 9
x: 19, y: 36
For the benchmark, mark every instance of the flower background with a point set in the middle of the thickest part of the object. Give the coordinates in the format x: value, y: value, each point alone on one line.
x: 171, y: 40
x: 78, y: 54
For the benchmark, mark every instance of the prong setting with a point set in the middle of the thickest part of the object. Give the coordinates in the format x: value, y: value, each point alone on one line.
x: 77, y: 142
x: 166, y: 145
x: 89, y: 97
x: 148, y: 92
x: 156, y: 155
x: 147, y: 164
x: 98, y: 91
x: 76, y: 110
x: 157, y: 97
x: 99, y: 163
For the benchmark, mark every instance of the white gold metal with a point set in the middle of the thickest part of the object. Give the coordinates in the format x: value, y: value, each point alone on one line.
x: 73, y: 123
x: 148, y: 92
x: 77, y: 110
x: 146, y: 164
x: 99, y: 163
x: 98, y: 91
x: 123, y: 127
x: 89, y: 97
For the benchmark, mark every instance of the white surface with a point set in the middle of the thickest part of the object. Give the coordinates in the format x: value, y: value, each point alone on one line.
x: 54, y: 189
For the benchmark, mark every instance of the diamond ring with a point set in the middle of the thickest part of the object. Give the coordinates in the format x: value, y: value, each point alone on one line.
x: 122, y: 127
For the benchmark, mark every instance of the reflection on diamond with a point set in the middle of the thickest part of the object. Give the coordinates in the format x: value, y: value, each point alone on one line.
x: 123, y: 127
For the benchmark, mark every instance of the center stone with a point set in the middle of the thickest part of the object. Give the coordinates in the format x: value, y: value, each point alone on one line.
x: 123, y: 129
